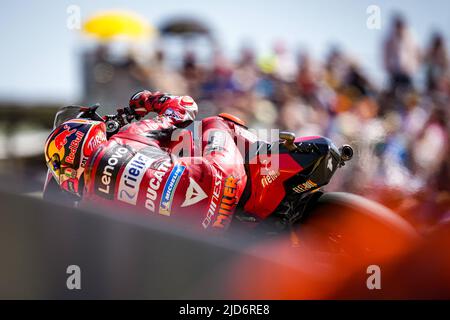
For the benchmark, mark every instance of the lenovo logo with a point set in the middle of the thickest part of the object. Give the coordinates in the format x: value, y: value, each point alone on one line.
x: 108, y: 169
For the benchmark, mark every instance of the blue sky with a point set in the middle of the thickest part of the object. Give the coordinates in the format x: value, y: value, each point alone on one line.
x: 39, y: 55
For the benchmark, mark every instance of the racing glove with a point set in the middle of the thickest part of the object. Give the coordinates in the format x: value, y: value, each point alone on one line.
x: 179, y: 109
x: 173, y: 112
x: 141, y: 103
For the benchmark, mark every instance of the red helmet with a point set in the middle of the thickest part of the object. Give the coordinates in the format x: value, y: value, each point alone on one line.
x: 69, y: 146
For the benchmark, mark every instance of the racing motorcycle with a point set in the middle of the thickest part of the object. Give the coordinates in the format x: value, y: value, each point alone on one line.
x: 340, y: 222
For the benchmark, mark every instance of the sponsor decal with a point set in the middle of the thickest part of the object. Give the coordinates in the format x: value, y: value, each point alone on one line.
x: 83, y: 161
x: 131, y: 178
x: 194, y: 194
x: 97, y: 140
x: 70, y: 173
x: 214, y: 200
x: 227, y: 203
x: 107, y: 170
x: 270, y: 177
x: 172, y: 114
x: 169, y: 189
x: 305, y: 186
x: 73, y: 147
x: 154, y: 184
x: 61, y: 138
x: 70, y: 185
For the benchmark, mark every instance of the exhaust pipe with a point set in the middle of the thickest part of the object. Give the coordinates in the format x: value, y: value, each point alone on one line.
x: 346, y: 152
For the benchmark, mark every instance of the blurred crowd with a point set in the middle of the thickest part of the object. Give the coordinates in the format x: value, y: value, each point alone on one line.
x: 400, y: 131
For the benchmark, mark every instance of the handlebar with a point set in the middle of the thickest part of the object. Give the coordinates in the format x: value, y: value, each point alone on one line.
x: 113, y: 122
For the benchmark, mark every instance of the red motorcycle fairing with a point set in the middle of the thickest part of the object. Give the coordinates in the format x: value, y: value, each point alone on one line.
x: 267, y: 188
x: 291, y: 172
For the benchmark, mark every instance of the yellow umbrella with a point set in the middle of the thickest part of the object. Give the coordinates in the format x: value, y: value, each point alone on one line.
x: 111, y: 24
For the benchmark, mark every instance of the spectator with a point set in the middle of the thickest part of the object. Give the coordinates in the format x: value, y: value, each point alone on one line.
x: 307, y: 78
x: 401, y: 56
x: 436, y: 63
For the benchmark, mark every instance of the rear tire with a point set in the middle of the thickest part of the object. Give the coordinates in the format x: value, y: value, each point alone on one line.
x: 344, y: 223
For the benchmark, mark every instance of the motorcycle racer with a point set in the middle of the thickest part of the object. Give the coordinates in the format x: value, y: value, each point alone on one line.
x: 133, y: 171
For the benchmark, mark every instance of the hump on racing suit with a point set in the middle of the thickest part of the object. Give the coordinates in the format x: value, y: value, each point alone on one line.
x: 134, y: 172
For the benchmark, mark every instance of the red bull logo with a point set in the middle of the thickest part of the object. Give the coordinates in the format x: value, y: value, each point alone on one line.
x: 74, y: 147
x: 61, y: 138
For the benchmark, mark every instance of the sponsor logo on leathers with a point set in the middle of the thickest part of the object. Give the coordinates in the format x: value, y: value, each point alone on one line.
x: 194, y: 194
x: 169, y: 189
x: 227, y: 203
x: 154, y: 184
x: 131, y: 178
x: 214, y: 200
x: 107, y: 170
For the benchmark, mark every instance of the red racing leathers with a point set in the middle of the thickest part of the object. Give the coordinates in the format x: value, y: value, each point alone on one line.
x: 134, y: 171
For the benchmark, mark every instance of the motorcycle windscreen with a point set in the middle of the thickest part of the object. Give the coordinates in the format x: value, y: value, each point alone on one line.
x: 66, y: 113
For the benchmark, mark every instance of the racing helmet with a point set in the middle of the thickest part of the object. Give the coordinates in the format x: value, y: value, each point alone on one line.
x: 67, y: 149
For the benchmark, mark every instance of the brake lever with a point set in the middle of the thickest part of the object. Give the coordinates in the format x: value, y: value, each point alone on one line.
x: 130, y: 114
